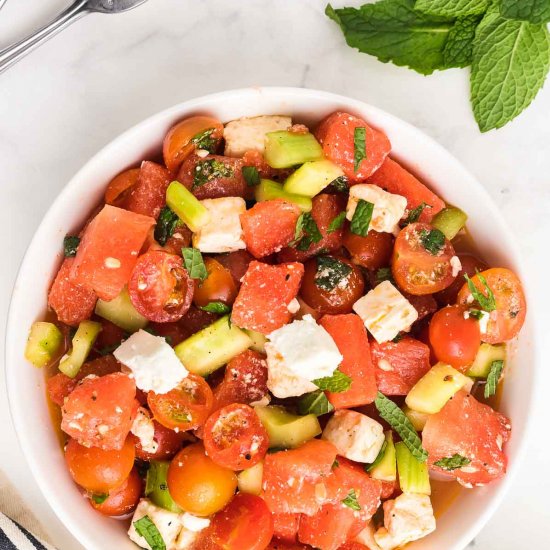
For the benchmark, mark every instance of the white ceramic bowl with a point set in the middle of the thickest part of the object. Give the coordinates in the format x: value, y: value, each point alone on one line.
x: 427, y: 159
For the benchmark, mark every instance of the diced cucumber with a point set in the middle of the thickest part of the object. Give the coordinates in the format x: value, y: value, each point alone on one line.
x: 268, y: 190
x: 413, y: 474
x: 121, y: 312
x: 82, y: 344
x: 156, y: 486
x: 250, y: 480
x: 43, y: 343
x: 450, y: 221
x: 418, y: 419
x: 486, y: 354
x: 386, y: 469
x: 312, y: 177
x: 212, y: 347
x: 287, y: 430
x: 186, y: 206
x: 435, y: 388
x: 285, y: 149
x: 258, y: 340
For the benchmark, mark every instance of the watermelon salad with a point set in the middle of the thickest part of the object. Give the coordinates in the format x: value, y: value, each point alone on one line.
x: 276, y: 337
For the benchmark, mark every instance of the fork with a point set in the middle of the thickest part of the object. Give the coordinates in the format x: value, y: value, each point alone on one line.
x: 12, y: 54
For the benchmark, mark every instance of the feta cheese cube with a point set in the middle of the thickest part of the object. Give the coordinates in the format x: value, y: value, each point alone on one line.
x: 456, y: 265
x: 223, y: 233
x: 366, y: 537
x: 167, y: 523
x: 407, y: 518
x: 194, y: 523
x: 385, y: 312
x: 388, y: 208
x: 144, y: 429
x: 248, y: 134
x: 154, y: 364
x: 355, y: 436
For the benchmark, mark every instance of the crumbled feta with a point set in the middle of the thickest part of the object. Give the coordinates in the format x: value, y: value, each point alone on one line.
x: 154, y: 364
x: 263, y: 402
x: 202, y: 153
x: 456, y: 265
x: 248, y: 134
x: 484, y: 321
x: 355, y: 436
x: 223, y: 233
x: 167, y: 523
x: 407, y: 518
x: 144, y: 429
x: 366, y: 537
x: 388, y: 208
x: 194, y: 523
x: 293, y: 306
x: 385, y: 312
x: 112, y: 263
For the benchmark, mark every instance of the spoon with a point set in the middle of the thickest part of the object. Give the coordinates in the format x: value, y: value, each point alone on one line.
x: 12, y: 54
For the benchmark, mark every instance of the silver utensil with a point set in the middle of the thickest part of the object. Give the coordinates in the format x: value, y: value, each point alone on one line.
x: 12, y: 54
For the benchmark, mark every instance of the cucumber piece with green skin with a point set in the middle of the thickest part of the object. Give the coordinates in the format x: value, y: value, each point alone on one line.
x: 268, y: 190
x: 156, y: 486
x: 435, y: 388
x: 386, y: 468
x: 486, y: 354
x: 285, y: 149
x: 250, y: 480
x: 121, y: 312
x: 188, y: 208
x: 43, y: 343
x: 418, y: 419
x: 450, y: 221
x: 413, y: 474
x: 258, y: 340
x: 312, y: 177
x: 83, y: 342
x: 212, y: 347
x: 287, y: 430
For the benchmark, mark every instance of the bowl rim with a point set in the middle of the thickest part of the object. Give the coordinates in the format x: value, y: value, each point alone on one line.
x: 24, y: 439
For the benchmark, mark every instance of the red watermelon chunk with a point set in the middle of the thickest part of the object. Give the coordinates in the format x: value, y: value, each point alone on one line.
x: 466, y: 427
x: 148, y: 195
x: 269, y: 226
x: 266, y: 291
x: 336, y: 135
x: 285, y: 527
x: 109, y: 249
x: 395, y: 179
x: 349, y: 334
x: 71, y: 302
x: 399, y: 365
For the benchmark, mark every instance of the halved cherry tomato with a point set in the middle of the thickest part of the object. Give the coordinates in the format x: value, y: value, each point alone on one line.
x: 120, y: 186
x: 506, y: 320
x: 160, y: 287
x: 455, y: 336
x: 186, y: 407
x: 338, y: 300
x: 415, y: 268
x: 372, y: 251
x: 122, y: 500
x: 217, y: 287
x: 246, y: 523
x: 237, y: 263
x: 178, y: 143
x: 235, y: 438
x: 96, y: 470
x: 168, y: 444
x: 198, y: 484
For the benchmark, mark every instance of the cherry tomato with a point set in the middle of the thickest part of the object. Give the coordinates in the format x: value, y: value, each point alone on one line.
x: 178, y: 143
x: 120, y: 186
x: 217, y: 287
x: 122, y: 500
x: 246, y: 523
x: 342, y: 295
x: 454, y: 336
x: 416, y: 269
x: 160, y: 287
x: 168, y: 444
x: 506, y: 320
x: 186, y: 407
x: 235, y: 438
x: 96, y: 470
x: 372, y: 251
x: 198, y: 484
x: 110, y: 337
x: 237, y: 263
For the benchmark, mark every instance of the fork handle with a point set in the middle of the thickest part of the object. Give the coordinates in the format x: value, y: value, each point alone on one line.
x: 12, y: 54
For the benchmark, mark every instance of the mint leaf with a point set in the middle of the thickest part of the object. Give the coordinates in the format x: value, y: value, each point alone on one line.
x: 533, y: 11
x: 379, y: 457
x: 340, y: 184
x: 148, y: 530
x: 330, y: 272
x: 204, y: 140
x: 415, y: 213
x: 361, y: 218
x: 100, y: 498
x: 510, y: 64
x: 452, y: 8
x: 167, y: 222
x: 493, y: 378
x: 351, y: 501
x: 459, y: 48
x: 452, y: 462
x: 306, y: 232
x: 210, y: 169
x: 337, y: 383
x: 336, y: 223
x: 392, y: 30
x: 70, y: 245
x: 315, y: 403
x: 396, y: 418
x: 251, y: 175
x: 359, y: 147
x: 194, y: 263
x: 216, y: 307
x: 384, y: 274
x: 485, y: 300
x: 433, y: 240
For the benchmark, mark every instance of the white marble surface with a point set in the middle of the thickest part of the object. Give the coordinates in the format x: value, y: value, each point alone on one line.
x: 69, y: 98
